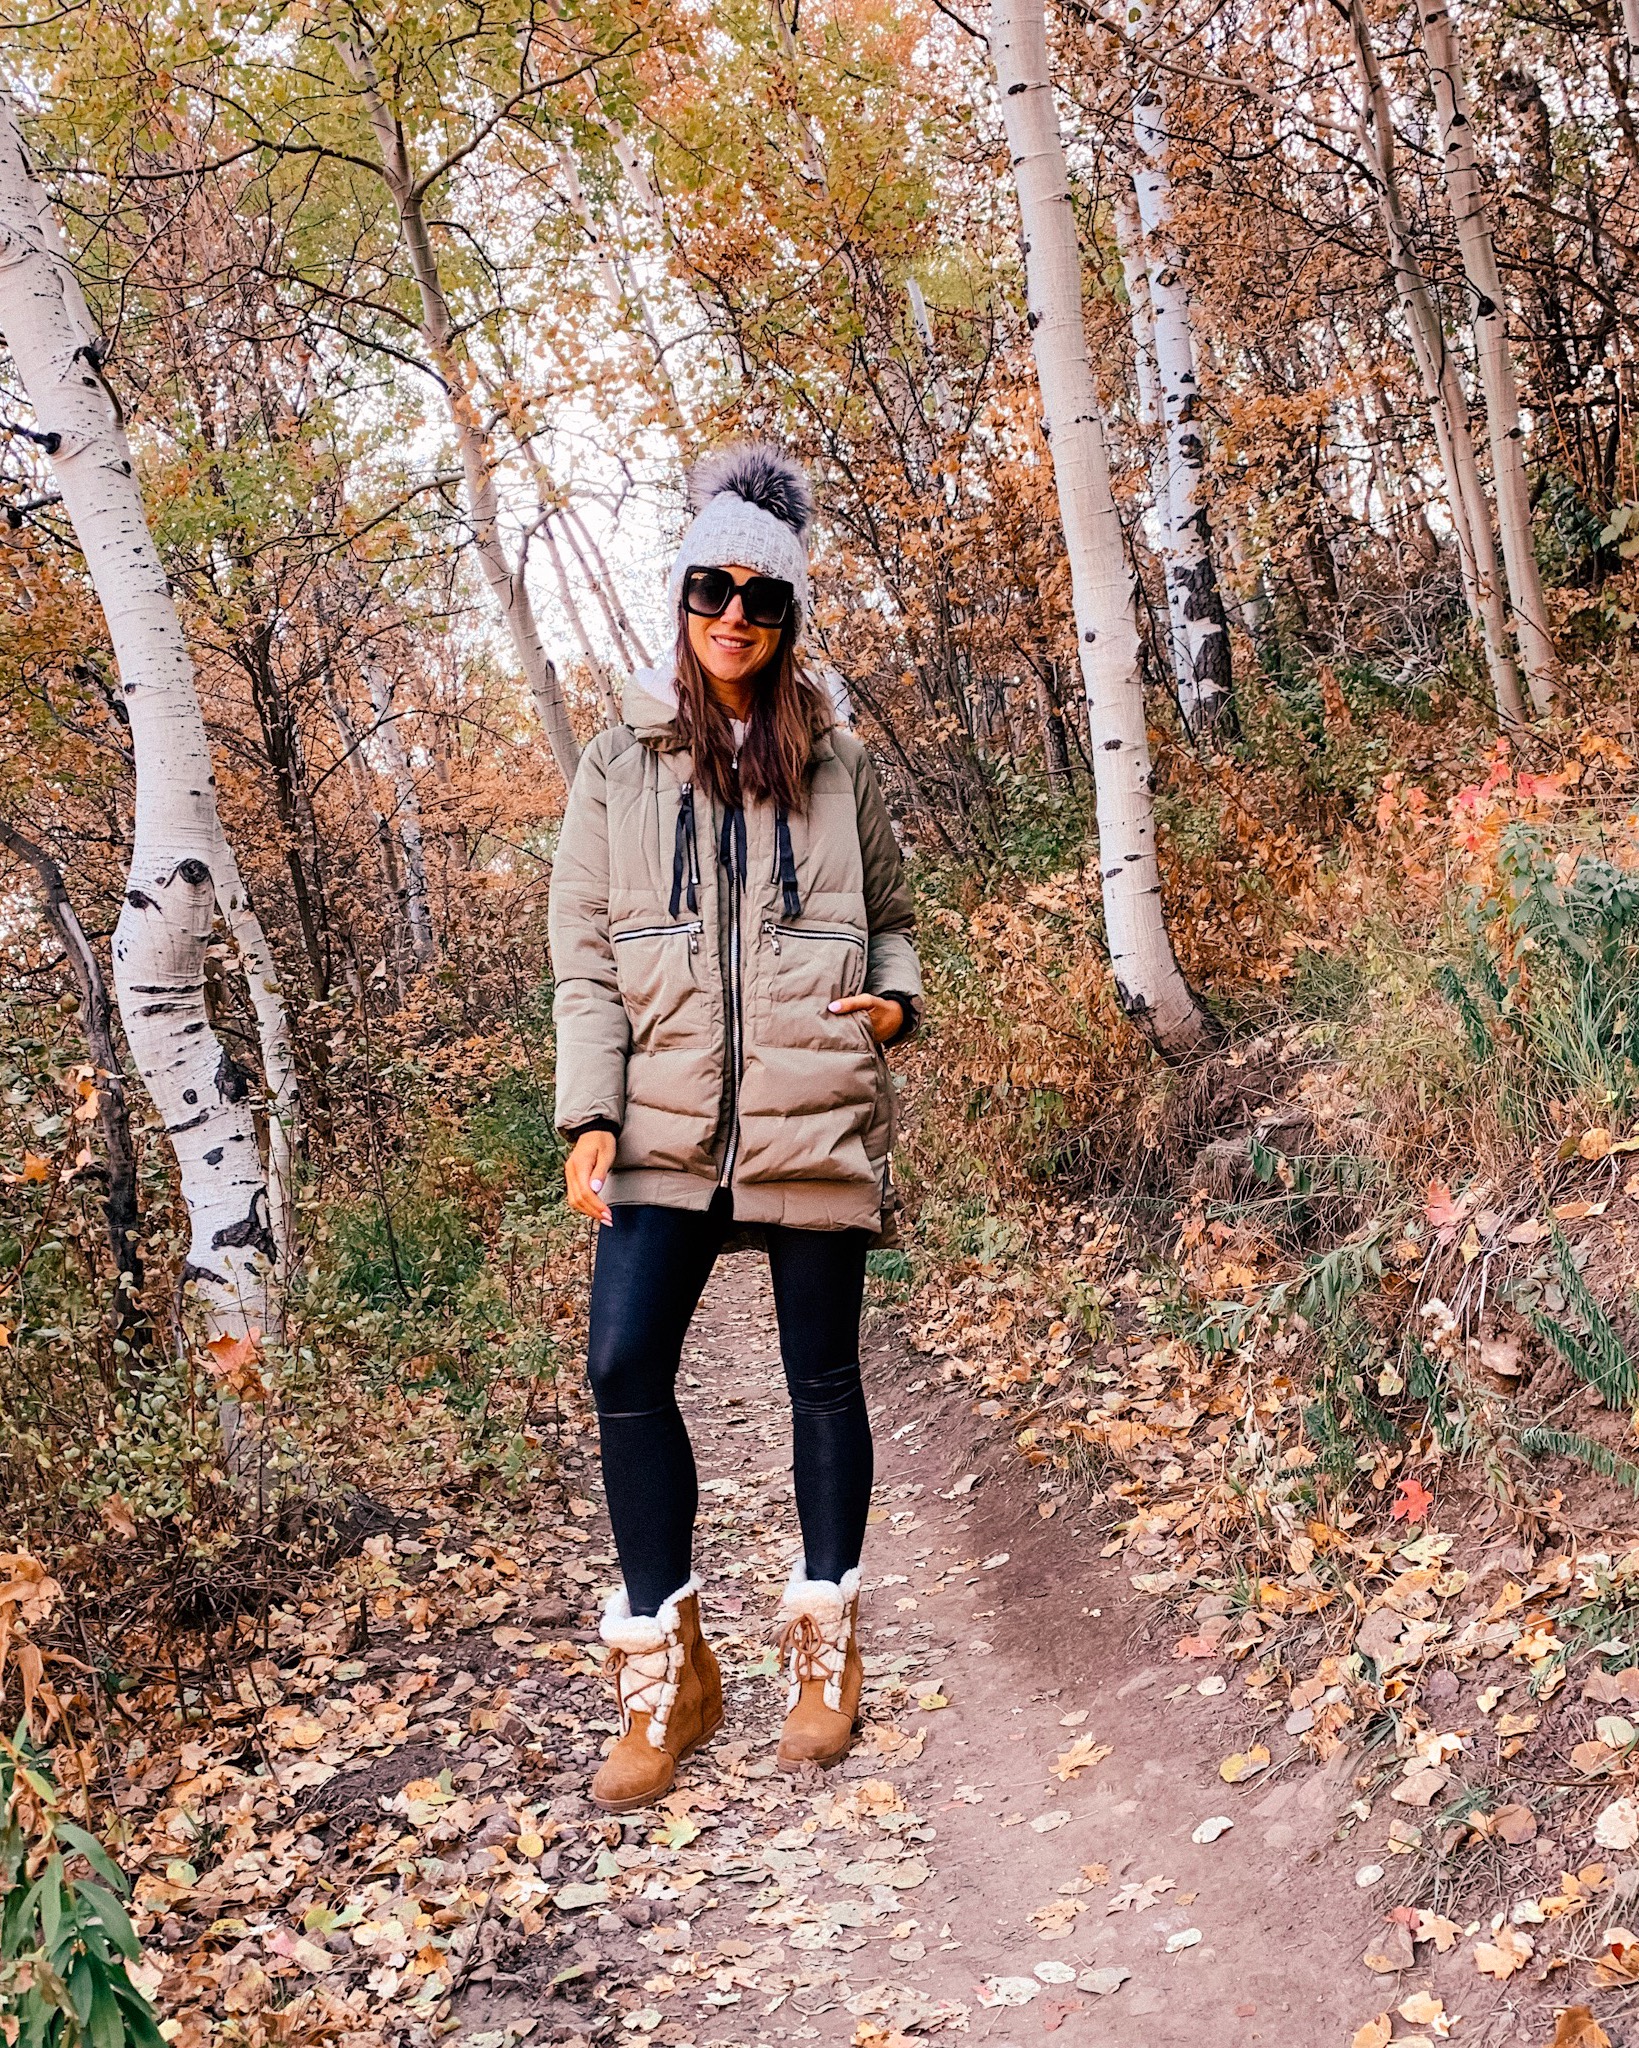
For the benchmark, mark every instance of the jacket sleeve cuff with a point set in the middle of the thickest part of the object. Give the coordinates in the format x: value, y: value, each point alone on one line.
x: 595, y: 1123
x: 912, y: 1007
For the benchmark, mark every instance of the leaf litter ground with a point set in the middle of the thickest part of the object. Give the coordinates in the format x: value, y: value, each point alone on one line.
x: 1063, y: 1817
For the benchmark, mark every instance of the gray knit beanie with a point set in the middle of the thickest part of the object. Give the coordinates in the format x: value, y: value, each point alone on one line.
x: 752, y: 505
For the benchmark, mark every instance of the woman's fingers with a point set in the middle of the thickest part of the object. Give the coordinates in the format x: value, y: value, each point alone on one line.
x: 584, y: 1173
x: 885, y: 1016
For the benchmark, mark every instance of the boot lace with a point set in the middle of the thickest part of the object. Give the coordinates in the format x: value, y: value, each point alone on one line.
x: 812, y: 1651
x: 646, y: 1683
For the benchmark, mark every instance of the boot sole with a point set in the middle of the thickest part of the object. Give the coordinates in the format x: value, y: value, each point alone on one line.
x: 652, y: 1798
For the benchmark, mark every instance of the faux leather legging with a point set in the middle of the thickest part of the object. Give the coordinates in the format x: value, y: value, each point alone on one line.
x: 652, y: 1265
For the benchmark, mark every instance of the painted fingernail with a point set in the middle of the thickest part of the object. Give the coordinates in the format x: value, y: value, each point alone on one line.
x: 833, y: 1006
x: 597, y: 1187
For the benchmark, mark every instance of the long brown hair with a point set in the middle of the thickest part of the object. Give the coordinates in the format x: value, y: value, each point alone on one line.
x: 787, y: 713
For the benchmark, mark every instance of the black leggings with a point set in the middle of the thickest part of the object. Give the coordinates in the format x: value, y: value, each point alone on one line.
x: 652, y: 1265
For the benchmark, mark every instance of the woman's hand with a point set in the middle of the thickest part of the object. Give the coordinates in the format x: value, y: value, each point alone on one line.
x: 585, y: 1171
x: 883, y: 1015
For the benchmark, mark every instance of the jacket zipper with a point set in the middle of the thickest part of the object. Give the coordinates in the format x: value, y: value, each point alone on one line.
x: 736, y: 1026
x: 775, y: 932
x: 660, y: 931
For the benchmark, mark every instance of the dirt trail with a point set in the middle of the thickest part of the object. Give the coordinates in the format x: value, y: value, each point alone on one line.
x: 836, y: 1909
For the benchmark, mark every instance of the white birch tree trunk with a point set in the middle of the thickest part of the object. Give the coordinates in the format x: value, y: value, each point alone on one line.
x: 1148, y: 982
x: 506, y: 579
x: 1442, y: 386
x: 406, y: 811
x: 281, y: 1105
x: 1129, y: 235
x: 600, y: 580
x: 1206, y: 687
x: 599, y: 669
x: 179, y: 859
x: 364, y: 792
x: 1488, y: 311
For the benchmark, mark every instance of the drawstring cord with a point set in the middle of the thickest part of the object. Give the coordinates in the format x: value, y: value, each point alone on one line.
x: 731, y: 846
x: 788, y: 865
x: 685, y: 854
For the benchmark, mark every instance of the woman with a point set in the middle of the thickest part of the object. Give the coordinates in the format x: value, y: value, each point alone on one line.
x: 731, y: 946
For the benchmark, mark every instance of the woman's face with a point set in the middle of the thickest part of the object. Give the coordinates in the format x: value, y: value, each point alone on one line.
x: 727, y: 648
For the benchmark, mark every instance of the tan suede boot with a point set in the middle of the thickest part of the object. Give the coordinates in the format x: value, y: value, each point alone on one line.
x: 819, y: 1648
x: 670, y: 1695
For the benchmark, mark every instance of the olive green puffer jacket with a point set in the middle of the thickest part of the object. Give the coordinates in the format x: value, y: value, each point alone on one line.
x: 693, y: 965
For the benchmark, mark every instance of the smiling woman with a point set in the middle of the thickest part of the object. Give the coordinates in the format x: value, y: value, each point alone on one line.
x: 720, y: 1023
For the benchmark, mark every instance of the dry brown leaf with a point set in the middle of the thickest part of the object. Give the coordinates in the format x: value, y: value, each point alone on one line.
x: 1082, y: 1754
x: 1391, y: 1951
x: 1236, y: 1769
x: 1374, y: 2034
x: 1509, y: 1950
x: 1579, y: 2029
x: 1422, y: 2008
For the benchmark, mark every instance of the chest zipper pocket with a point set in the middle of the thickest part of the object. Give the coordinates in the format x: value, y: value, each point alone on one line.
x: 661, y: 931
x: 774, y: 933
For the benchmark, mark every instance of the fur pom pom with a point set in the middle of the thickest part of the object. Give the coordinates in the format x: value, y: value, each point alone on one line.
x: 763, y: 475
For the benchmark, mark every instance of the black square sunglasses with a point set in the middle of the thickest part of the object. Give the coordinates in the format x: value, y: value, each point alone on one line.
x: 765, y: 600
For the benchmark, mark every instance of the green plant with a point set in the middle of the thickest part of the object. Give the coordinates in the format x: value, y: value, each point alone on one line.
x: 1542, y: 1442
x: 65, y: 1940
x: 1598, y: 1355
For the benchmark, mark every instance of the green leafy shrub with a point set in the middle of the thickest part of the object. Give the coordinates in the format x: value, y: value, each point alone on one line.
x: 65, y: 1940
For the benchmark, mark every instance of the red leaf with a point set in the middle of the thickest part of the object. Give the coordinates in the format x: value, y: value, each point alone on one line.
x: 1411, y: 1502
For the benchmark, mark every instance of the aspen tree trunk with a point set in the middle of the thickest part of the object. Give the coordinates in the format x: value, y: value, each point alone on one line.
x: 358, y: 773
x: 1151, y: 988
x: 1496, y: 361
x: 601, y: 582
x: 506, y: 580
x: 406, y: 811
x: 622, y: 290
x: 1206, y: 690
x: 120, y: 1207
x: 177, y: 859
x: 1129, y: 235
x: 267, y: 1001
x: 1442, y: 386
x: 599, y: 670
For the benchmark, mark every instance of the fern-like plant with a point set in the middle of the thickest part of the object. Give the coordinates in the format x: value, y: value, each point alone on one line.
x: 1542, y: 1442
x: 1598, y: 1354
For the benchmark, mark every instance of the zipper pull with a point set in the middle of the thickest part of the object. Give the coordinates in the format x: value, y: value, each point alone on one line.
x: 694, y: 938
x: 771, y: 933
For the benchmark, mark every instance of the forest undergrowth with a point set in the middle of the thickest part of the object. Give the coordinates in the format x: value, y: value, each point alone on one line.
x: 1330, y: 1330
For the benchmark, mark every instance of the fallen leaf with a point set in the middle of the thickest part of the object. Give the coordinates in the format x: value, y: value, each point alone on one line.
x: 1422, y: 1787
x: 1186, y: 1937
x: 116, y: 1512
x: 1579, y: 2029
x: 1045, y: 1823
x: 1102, y: 1982
x: 1509, y: 1951
x: 1374, y: 2034
x: 1391, y: 1951
x: 1618, y: 1826
x: 1619, y: 1963
x: 1082, y: 1754
x: 1436, y: 1928
x: 1210, y: 1830
x: 1244, y: 1764
x: 1515, y: 1824
x: 1412, y: 1501
x: 1007, y: 1990
x: 1422, y: 2008
x: 1055, y: 1972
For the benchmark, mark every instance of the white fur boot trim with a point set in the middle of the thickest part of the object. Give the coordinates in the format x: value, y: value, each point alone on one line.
x: 646, y: 1658
x: 819, y: 1617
